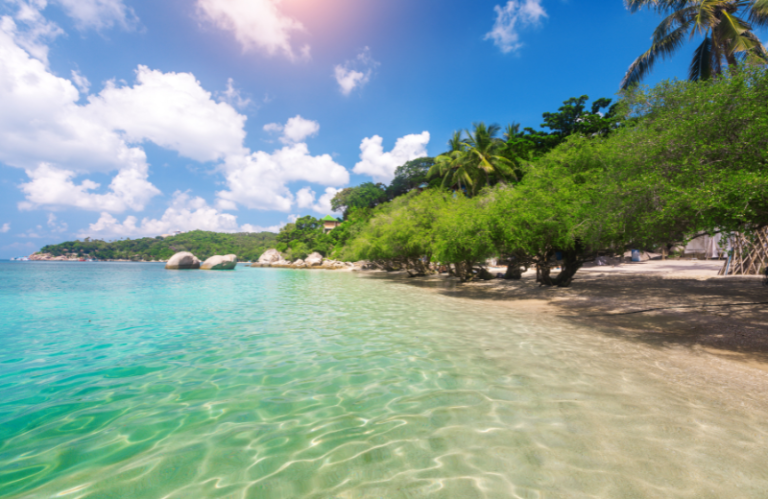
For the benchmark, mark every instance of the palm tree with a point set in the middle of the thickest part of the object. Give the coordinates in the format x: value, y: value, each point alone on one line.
x: 725, y: 24
x: 485, y: 153
x: 452, y: 165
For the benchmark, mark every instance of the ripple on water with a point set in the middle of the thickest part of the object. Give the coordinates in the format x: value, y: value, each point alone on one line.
x: 129, y: 381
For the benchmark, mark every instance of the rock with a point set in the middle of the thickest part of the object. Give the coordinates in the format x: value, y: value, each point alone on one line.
x: 271, y: 256
x: 218, y: 262
x: 183, y: 261
x: 314, y: 260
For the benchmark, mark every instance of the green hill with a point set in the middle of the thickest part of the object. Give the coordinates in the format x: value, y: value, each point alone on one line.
x: 247, y: 246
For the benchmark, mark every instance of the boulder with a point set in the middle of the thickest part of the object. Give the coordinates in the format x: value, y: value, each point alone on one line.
x: 218, y: 262
x: 271, y: 256
x: 183, y: 261
x: 314, y: 260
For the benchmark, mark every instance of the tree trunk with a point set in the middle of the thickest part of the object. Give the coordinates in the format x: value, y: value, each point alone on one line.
x: 571, y: 264
x: 513, y: 271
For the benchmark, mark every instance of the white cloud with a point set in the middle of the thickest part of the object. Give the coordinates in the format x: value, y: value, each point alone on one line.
x: 54, y: 187
x: 185, y: 213
x: 233, y: 96
x: 259, y: 180
x: 382, y: 165
x: 296, y: 130
x: 173, y: 111
x: 523, y: 12
x: 256, y: 24
x: 5, y: 228
x: 81, y: 82
x: 45, y: 131
x: 99, y: 14
x: 305, y: 198
x: 355, y: 73
x: 30, y: 29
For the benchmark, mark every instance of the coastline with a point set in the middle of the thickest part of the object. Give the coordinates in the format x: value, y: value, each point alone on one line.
x: 663, y: 304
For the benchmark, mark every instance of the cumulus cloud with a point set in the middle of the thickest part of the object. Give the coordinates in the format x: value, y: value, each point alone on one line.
x: 185, y: 213
x: 39, y: 108
x: 382, y: 165
x: 355, y: 73
x: 516, y: 13
x: 305, y: 198
x: 173, y: 111
x: 296, y: 130
x: 259, y: 180
x: 54, y: 187
x: 5, y: 228
x: 256, y: 24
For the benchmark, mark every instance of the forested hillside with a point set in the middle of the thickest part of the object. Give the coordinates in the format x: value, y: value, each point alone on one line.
x: 247, y: 246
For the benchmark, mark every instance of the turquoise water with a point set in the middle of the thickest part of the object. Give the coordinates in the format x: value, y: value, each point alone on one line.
x: 129, y: 381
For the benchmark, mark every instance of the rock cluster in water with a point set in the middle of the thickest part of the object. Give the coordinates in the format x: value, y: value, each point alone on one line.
x: 273, y: 258
x: 185, y: 260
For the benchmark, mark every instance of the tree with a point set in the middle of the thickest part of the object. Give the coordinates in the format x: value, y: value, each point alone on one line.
x: 410, y: 176
x: 452, y: 166
x: 728, y: 35
x: 366, y: 195
x: 485, y: 157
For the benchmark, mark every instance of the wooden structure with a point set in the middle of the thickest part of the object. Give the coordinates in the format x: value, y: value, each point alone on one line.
x: 749, y: 256
x: 330, y: 223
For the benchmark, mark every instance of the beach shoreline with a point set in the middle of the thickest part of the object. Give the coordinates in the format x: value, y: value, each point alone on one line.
x: 664, y: 304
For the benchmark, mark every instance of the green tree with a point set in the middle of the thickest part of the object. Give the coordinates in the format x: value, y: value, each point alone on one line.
x: 410, y: 176
x: 452, y: 166
x: 486, y: 158
x: 727, y: 30
x: 366, y: 195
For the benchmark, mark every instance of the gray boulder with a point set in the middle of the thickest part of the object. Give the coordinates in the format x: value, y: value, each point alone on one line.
x: 218, y: 262
x: 183, y: 260
x: 271, y: 256
x: 314, y: 260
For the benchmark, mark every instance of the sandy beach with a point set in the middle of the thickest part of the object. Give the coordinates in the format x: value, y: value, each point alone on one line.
x: 668, y: 303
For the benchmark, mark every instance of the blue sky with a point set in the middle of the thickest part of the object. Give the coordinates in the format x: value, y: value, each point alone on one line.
x: 126, y: 118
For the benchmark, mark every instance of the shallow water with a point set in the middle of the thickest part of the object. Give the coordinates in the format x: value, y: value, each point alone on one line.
x: 129, y: 381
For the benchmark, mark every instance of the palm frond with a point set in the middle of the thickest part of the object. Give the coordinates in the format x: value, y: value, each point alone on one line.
x: 672, y: 22
x: 657, y: 5
x: 701, y: 65
x: 664, y: 48
x: 758, y: 14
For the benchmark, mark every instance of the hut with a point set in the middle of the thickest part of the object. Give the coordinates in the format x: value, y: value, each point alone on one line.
x: 330, y: 223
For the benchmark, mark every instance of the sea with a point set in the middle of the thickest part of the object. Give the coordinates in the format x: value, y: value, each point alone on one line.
x: 125, y: 380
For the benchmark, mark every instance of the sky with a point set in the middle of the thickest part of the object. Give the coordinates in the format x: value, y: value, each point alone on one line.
x: 132, y: 118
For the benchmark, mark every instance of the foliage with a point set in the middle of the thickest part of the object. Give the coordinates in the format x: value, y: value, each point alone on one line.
x: 409, y: 176
x: 688, y: 158
x: 302, y: 237
x: 727, y: 26
x: 247, y: 246
x: 366, y: 195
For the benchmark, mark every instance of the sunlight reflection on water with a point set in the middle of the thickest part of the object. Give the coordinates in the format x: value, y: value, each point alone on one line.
x: 126, y: 380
